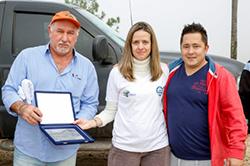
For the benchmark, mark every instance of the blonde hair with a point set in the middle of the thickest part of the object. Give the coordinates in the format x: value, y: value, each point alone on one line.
x: 126, y: 63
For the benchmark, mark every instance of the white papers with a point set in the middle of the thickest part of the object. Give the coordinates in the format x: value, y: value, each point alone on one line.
x: 55, y: 107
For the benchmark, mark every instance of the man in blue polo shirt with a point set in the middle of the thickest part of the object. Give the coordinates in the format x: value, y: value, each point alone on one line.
x: 56, y: 66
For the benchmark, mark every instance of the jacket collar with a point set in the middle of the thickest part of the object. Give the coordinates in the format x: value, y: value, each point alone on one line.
x: 177, y: 63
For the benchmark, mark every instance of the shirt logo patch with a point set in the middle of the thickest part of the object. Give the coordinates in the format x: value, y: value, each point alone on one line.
x: 200, y: 86
x: 76, y: 76
x: 159, y: 90
x: 126, y: 93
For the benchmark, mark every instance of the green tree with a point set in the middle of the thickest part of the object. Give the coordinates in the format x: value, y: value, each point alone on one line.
x: 93, y: 7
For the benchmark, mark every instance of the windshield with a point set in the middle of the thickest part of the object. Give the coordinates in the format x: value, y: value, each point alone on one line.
x: 104, y: 27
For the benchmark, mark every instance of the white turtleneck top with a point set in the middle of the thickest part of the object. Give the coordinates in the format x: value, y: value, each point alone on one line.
x: 136, y: 108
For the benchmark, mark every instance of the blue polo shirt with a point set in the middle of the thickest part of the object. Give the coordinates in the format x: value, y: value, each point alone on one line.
x: 188, y: 115
x: 79, y: 78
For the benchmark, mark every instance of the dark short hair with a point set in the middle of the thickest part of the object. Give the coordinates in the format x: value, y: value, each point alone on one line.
x: 195, y: 28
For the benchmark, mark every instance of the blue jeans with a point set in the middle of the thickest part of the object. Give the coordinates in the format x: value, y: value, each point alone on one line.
x: 21, y: 159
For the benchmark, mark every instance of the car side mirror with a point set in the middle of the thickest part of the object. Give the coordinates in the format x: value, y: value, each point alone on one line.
x: 101, y: 50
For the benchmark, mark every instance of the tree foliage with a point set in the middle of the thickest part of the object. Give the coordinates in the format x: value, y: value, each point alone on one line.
x: 93, y: 7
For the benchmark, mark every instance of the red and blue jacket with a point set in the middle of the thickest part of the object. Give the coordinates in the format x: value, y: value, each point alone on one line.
x: 226, y: 120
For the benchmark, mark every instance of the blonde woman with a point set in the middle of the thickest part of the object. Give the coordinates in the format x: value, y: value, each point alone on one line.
x: 134, y: 102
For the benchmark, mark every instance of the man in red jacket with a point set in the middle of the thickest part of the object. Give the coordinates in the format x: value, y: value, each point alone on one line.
x: 203, y: 111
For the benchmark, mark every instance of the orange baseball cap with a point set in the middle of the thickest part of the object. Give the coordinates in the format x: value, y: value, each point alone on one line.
x: 65, y: 15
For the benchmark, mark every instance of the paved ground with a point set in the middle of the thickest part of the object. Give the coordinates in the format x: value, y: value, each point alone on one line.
x: 93, y: 156
x: 247, y: 157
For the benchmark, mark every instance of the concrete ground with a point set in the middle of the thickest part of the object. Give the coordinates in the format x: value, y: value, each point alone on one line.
x: 88, y: 155
x: 94, y: 154
x: 247, y: 156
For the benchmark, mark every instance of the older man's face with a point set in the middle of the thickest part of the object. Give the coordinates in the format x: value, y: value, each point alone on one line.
x: 63, y: 37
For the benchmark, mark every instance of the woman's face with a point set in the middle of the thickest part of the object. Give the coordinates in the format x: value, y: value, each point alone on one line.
x: 141, y: 45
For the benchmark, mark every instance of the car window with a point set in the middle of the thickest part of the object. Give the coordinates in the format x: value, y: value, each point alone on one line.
x: 84, y: 44
x: 1, y: 15
x: 31, y: 29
